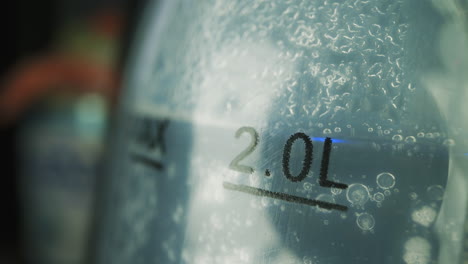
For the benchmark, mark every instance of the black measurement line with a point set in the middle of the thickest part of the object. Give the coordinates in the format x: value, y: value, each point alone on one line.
x: 138, y: 157
x: 282, y: 196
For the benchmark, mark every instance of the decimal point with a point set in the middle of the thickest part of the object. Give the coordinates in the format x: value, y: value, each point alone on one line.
x: 267, y: 172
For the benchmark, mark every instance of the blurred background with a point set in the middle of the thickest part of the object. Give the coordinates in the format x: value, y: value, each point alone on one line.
x: 61, y: 67
x: 60, y: 72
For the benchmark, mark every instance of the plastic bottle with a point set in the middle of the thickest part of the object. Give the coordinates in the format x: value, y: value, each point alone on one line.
x: 285, y: 132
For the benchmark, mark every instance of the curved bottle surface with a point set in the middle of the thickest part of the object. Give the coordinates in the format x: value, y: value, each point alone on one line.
x: 280, y: 132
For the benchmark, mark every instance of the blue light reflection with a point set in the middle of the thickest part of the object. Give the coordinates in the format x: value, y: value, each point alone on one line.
x: 334, y: 140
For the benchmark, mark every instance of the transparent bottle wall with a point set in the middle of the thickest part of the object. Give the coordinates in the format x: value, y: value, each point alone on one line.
x: 291, y: 132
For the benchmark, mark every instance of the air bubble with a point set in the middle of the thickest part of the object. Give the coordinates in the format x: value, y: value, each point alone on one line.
x: 265, y: 201
x: 410, y: 139
x: 379, y: 197
x: 397, y: 138
x: 435, y: 192
x: 307, y: 260
x: 370, y: 129
x: 308, y: 186
x: 413, y: 196
x: 336, y: 191
x: 357, y: 194
x: 337, y: 129
x: 325, y: 198
x: 365, y: 221
x: 385, y: 180
x: 386, y: 132
x: 387, y: 192
x: 449, y: 142
x: 420, y: 135
x: 326, y: 131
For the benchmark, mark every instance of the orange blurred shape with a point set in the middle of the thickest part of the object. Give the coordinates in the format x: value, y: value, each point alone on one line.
x: 52, y: 74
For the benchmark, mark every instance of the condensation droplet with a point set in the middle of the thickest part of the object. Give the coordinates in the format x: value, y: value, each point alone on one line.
x: 387, y: 192
x: 357, y: 194
x: 435, y: 192
x: 420, y: 135
x: 386, y: 132
x: 370, y: 129
x: 413, y: 196
x: 326, y: 131
x: 397, y: 138
x: 337, y: 129
x: 410, y: 139
x: 365, y: 221
x: 385, y: 180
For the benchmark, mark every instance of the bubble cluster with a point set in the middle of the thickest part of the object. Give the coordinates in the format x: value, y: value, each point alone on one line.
x: 345, y: 53
x: 417, y: 250
x: 424, y: 216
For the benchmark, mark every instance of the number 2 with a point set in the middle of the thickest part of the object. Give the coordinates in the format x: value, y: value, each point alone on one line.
x: 234, y: 165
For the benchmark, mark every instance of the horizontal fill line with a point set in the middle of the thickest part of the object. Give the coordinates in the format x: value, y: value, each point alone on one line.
x: 283, y: 196
x: 147, y: 161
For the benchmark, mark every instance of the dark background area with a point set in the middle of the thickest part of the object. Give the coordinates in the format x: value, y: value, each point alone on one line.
x: 28, y: 29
